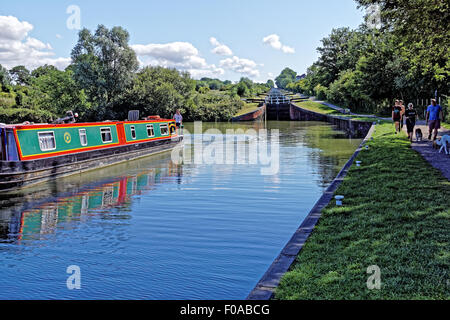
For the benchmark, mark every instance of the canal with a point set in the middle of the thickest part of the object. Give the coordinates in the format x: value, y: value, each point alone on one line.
x: 153, y: 229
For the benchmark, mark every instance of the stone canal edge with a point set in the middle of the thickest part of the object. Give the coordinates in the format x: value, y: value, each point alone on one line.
x: 266, y: 286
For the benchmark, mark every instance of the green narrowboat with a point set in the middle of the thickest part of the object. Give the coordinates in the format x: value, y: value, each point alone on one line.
x: 33, y: 153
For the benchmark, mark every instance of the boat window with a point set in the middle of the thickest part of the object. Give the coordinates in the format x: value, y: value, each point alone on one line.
x: 133, y: 132
x: 164, y: 129
x: 83, y: 137
x: 150, y: 130
x: 47, y: 140
x: 106, y: 135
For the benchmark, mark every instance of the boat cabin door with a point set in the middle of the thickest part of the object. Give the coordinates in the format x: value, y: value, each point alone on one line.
x: 8, y: 146
x: 2, y: 143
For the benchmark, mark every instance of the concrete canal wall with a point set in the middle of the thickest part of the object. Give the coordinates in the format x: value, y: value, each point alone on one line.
x: 266, y: 286
x: 292, y: 112
x: 354, y: 128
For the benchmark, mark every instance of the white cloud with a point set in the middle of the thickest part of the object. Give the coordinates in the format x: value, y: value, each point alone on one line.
x: 240, y: 65
x: 12, y: 29
x: 180, y: 55
x: 219, y: 48
x: 17, y: 48
x: 58, y: 36
x: 273, y: 40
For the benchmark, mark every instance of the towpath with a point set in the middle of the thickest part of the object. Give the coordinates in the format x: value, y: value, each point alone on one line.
x: 440, y: 161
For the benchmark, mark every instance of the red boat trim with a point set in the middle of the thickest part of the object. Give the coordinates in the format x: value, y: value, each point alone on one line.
x: 119, y: 128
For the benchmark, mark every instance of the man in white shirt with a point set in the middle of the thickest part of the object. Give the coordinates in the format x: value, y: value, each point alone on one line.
x: 178, y: 118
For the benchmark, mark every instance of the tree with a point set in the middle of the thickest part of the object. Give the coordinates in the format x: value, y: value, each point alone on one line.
x: 287, y: 76
x: 57, y: 92
x: 5, y: 79
x: 104, y: 67
x: 159, y: 91
x: 43, y: 70
x: 333, y: 54
x: 242, y: 89
x: 422, y: 29
x: 20, y: 75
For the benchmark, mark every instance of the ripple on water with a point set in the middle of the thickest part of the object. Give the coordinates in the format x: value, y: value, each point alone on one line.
x: 150, y: 229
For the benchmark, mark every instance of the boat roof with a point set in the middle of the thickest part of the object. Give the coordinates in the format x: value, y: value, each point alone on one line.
x: 77, y: 124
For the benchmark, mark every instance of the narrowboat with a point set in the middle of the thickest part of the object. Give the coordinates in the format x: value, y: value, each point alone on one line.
x: 33, y: 153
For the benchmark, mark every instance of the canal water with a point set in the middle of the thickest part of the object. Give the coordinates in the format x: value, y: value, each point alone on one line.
x: 153, y: 229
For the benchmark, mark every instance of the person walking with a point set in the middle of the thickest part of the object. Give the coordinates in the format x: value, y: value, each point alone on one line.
x: 433, y: 119
x: 411, y: 117
x: 402, y: 114
x: 396, y: 115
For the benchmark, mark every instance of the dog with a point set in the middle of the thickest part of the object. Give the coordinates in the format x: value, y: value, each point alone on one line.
x: 442, y: 143
x: 419, y: 134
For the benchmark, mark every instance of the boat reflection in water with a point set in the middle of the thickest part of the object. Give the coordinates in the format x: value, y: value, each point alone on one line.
x: 98, y: 193
x: 148, y: 229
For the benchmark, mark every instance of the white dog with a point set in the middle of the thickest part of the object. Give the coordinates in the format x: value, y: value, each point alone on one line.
x: 443, y: 143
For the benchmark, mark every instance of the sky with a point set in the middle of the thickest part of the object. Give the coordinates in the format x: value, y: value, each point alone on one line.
x: 209, y: 38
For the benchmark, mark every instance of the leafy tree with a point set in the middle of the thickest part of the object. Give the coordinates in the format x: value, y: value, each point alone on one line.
x: 287, y: 76
x: 43, y: 70
x: 270, y: 83
x: 242, y: 89
x: 212, y: 106
x: 104, y: 66
x: 333, y: 54
x: 204, y: 90
x: 5, y: 79
x: 20, y: 75
x: 422, y: 30
x: 58, y: 92
x: 159, y: 91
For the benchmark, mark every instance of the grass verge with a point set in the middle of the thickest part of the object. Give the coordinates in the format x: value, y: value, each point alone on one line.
x: 317, y: 107
x: 396, y: 215
x: 247, y: 108
x: 320, y: 108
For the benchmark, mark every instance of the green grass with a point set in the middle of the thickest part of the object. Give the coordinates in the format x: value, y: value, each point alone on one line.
x: 320, y: 108
x: 396, y: 215
x: 445, y: 125
x: 317, y: 107
x: 247, y: 108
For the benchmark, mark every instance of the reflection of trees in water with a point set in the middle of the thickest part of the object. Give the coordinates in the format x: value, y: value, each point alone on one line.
x: 329, y: 148
x: 40, y: 212
x: 41, y: 209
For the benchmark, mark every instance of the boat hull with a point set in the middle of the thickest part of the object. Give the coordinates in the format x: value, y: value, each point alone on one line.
x: 17, y: 174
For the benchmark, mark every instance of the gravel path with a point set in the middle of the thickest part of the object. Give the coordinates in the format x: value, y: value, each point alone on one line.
x: 440, y: 161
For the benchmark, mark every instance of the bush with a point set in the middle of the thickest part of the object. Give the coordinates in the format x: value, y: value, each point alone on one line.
x: 7, y: 99
x: 212, y: 106
x: 446, y: 109
x: 320, y: 92
x: 19, y: 115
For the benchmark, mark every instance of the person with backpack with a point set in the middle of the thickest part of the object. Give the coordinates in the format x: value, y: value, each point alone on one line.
x: 411, y: 117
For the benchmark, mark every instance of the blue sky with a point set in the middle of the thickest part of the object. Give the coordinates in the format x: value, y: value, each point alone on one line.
x: 178, y: 33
